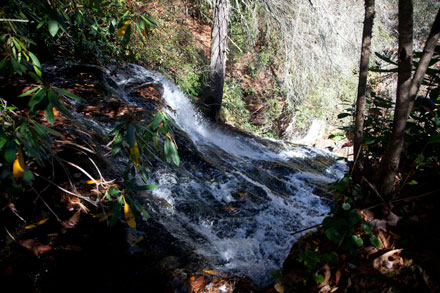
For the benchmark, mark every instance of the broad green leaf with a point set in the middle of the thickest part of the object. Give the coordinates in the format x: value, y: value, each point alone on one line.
x: 49, y: 114
x: 28, y: 177
x: 39, y: 104
x: 144, y: 173
x: 386, y: 59
x: 131, y: 137
x: 40, y: 24
x: 37, y: 99
x: 116, y: 129
x: 149, y: 20
x: 413, y: 182
x: 3, y: 140
x: 156, y: 121
x: 333, y: 235
x: 318, y: 278
x: 116, y: 211
x: 3, y: 63
x: 367, y: 228
x: 127, y: 36
x: 167, y: 150
x: 174, y: 155
x: 53, y: 27
x: 144, y: 187
x: 357, y: 240
x: 28, y: 92
x: 34, y: 59
x: 156, y: 142
x: 346, y: 206
x: 374, y: 241
x: 113, y: 191
x: 354, y: 218
x: 41, y: 131
x: 140, y: 209
x: 343, y: 115
x: 18, y: 67
x: 37, y: 71
x: 68, y: 94
x: 116, y: 146
x: 10, y: 151
x: 141, y: 25
x: 51, y: 131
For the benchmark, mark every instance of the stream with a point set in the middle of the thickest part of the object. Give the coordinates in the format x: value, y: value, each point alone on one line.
x: 239, y: 204
x: 235, y: 200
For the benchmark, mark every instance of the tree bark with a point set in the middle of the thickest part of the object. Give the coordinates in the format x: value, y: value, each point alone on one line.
x: 362, y: 86
x: 390, y: 161
x: 218, y: 58
x: 428, y: 51
x: 392, y: 156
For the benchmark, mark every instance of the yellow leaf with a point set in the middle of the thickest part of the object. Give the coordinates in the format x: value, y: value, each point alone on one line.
x: 18, y: 167
x: 33, y: 226
x: 103, y: 217
x: 212, y: 272
x: 122, y: 29
x: 42, y: 221
x: 93, y: 182
x: 134, y: 154
x: 129, y: 217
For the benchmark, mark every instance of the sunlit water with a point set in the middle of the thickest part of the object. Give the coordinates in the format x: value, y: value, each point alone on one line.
x: 240, y: 203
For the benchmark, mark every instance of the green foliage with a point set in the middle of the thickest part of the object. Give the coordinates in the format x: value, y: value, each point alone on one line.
x: 86, y: 29
x: 421, y: 145
x: 21, y: 138
x: 345, y: 227
x: 313, y: 260
x: 140, y: 144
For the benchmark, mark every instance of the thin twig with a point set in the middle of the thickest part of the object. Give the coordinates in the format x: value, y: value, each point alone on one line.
x: 416, y: 196
x: 305, y: 229
x: 9, y: 233
x: 46, y: 204
x: 241, y: 51
x: 373, y: 188
x: 355, y: 161
x: 76, y: 145
x: 82, y: 170
x: 14, y: 20
x: 67, y: 191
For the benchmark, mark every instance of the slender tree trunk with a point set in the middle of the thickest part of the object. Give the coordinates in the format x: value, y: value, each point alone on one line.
x: 362, y: 85
x: 391, y: 158
x: 218, y: 58
x: 428, y: 51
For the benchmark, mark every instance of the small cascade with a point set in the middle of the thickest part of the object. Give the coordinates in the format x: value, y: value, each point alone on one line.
x: 240, y: 201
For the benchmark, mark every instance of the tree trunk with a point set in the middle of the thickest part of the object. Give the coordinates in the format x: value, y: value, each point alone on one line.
x: 391, y: 158
x: 362, y: 86
x: 218, y: 58
x: 428, y: 51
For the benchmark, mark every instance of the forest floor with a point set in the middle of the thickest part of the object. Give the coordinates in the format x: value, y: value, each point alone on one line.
x: 407, y: 260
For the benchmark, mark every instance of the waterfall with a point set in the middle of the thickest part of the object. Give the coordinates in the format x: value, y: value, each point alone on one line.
x: 240, y: 202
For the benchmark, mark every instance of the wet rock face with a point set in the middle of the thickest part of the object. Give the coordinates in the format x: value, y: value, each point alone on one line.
x: 234, y: 201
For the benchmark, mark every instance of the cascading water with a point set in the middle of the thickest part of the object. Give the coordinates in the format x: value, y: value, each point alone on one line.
x: 240, y: 201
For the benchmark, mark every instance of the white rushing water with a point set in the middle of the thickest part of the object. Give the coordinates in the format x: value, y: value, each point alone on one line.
x: 240, y: 210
